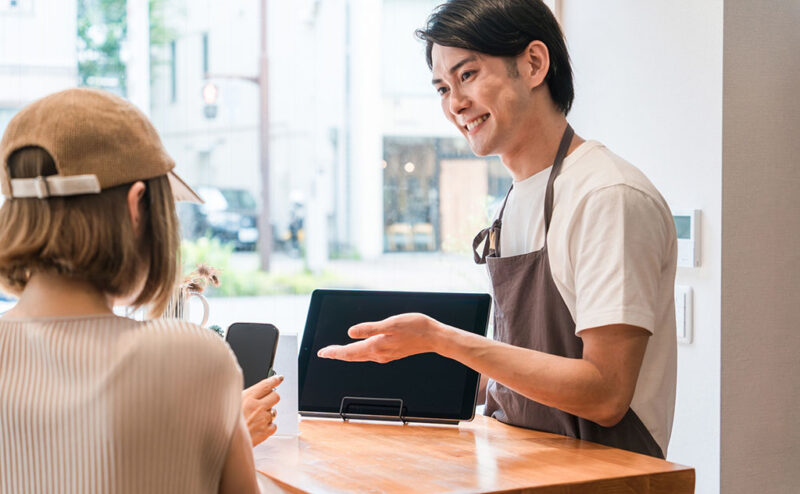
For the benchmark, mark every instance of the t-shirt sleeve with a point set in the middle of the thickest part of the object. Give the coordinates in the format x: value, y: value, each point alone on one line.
x: 617, y: 242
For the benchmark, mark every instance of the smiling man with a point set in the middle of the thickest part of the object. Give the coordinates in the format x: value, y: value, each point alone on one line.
x: 582, y: 254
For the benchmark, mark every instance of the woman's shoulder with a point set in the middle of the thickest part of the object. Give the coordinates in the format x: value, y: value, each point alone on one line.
x: 183, y: 344
x: 168, y: 332
x: 172, y: 342
x: 168, y: 348
x: 178, y: 328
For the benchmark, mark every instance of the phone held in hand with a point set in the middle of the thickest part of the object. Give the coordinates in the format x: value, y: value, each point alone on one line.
x: 254, y: 345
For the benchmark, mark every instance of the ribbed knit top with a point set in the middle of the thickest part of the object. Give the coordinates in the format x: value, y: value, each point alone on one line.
x: 109, y: 404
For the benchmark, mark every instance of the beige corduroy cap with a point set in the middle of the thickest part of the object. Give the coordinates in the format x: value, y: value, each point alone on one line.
x: 97, y: 141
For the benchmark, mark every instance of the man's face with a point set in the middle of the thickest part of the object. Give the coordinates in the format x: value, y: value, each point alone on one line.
x: 483, y: 97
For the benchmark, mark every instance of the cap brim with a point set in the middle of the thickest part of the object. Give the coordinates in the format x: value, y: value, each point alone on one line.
x: 181, y: 191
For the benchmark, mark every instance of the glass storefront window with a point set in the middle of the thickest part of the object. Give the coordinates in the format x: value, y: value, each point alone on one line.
x: 369, y: 185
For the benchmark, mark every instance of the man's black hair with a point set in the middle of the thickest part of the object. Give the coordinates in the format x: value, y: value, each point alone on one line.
x: 503, y: 28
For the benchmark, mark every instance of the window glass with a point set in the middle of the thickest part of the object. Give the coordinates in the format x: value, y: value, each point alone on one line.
x: 324, y: 159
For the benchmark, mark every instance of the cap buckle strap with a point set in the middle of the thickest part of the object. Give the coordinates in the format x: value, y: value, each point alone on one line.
x: 42, y: 189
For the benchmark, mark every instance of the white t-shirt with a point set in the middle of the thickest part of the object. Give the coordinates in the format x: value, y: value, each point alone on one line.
x: 613, y: 253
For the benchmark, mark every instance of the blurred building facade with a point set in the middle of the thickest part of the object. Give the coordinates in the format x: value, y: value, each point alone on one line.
x: 357, y: 139
x: 38, y: 52
x: 359, y: 149
x: 33, y: 63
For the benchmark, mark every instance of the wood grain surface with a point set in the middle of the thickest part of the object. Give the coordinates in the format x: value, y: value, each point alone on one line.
x: 331, y: 456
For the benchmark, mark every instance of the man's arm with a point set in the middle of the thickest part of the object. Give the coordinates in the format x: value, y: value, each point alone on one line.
x: 598, y: 387
x: 482, y: 385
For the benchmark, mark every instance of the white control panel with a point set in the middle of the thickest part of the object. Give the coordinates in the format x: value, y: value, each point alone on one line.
x: 684, y: 313
x: 687, y: 226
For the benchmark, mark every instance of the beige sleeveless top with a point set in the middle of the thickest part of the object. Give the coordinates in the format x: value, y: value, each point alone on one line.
x: 109, y: 404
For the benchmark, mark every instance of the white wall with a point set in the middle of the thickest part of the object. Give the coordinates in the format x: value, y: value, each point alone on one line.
x: 649, y: 85
x: 760, y: 440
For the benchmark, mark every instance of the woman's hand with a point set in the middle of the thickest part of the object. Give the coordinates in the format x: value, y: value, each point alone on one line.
x: 258, y: 402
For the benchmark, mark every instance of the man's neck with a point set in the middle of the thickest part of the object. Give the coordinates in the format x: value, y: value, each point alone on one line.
x: 51, y: 295
x: 537, y: 146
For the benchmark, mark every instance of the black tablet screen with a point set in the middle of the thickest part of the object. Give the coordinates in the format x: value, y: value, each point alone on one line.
x: 431, y: 386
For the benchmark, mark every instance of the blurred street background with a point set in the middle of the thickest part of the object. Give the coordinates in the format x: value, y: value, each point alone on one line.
x: 405, y: 271
x: 310, y: 128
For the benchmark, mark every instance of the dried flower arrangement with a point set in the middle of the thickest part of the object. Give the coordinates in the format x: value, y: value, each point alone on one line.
x: 200, y: 278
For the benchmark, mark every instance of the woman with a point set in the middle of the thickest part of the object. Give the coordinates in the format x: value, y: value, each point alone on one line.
x: 89, y: 401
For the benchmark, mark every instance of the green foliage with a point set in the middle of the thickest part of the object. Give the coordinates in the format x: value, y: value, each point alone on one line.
x: 302, y: 282
x: 160, y: 32
x: 208, y: 251
x: 240, y: 282
x: 345, y: 253
x: 160, y: 35
x: 102, y: 29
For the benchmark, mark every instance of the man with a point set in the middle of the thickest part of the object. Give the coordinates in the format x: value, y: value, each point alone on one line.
x: 582, y: 254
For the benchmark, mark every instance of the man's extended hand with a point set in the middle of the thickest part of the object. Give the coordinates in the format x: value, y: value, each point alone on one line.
x: 393, y: 338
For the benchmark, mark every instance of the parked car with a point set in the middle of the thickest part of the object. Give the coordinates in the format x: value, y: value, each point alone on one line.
x: 229, y: 214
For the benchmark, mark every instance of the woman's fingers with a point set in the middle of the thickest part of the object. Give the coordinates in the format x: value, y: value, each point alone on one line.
x: 264, y: 387
x: 258, y: 435
x: 270, y: 400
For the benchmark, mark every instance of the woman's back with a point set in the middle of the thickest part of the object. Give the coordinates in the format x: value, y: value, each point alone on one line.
x: 109, y: 404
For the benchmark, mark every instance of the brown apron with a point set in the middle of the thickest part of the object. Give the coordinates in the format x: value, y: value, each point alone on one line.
x: 530, y: 313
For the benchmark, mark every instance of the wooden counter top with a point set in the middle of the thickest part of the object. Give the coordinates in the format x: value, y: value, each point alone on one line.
x: 331, y: 456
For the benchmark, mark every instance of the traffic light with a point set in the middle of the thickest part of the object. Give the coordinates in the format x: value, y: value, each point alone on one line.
x: 210, y: 93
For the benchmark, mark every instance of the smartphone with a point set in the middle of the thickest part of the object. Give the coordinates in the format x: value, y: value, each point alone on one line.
x: 254, y: 345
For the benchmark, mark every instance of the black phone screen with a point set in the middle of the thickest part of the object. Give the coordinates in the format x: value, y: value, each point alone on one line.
x: 254, y: 345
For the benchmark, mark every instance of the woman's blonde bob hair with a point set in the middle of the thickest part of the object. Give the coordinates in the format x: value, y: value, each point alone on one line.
x: 91, y: 237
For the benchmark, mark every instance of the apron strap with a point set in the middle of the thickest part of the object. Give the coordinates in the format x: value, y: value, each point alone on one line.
x: 490, y: 237
x: 566, y: 139
x: 481, y: 237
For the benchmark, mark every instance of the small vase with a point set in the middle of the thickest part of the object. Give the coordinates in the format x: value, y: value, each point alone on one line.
x: 178, y: 306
